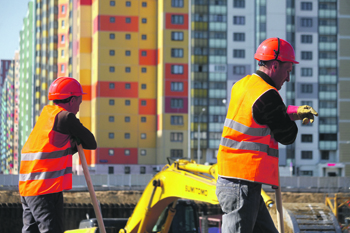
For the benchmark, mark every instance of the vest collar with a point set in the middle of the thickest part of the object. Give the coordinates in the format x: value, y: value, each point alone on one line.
x: 265, y: 77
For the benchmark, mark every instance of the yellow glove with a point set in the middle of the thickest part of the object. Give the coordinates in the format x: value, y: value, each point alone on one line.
x: 305, y: 113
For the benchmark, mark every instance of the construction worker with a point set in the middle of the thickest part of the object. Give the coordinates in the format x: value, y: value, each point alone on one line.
x: 256, y: 121
x: 46, y: 158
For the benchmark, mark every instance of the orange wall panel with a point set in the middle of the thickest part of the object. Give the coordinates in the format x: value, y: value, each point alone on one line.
x: 169, y: 92
x: 119, y: 89
x: 150, y: 107
x: 119, y: 157
x: 169, y: 25
x: 150, y: 59
x: 102, y: 23
x: 87, y: 90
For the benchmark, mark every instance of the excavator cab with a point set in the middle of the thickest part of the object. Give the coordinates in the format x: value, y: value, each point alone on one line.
x: 185, y: 220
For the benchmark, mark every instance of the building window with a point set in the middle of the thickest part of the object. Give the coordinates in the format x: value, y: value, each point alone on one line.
x: 127, y: 20
x: 62, y: 68
x: 128, y: 3
x: 306, y: 72
x: 324, y: 155
x: 127, y: 69
x: 62, y: 53
x: 306, y: 55
x: 110, y: 170
x: 177, y: 3
x: 238, y: 20
x: 144, y: 20
x: 111, y: 85
x: 127, y: 102
x: 306, y: 6
x: 306, y: 39
x: 176, y: 137
x: 306, y: 173
x: 306, y: 22
x: 127, y: 135
x: 306, y: 102
x: 111, y: 69
x: 62, y: 39
x: 239, y: 53
x: 127, y: 53
x: 238, y: 3
x: 143, y: 70
x: 127, y: 170
x: 177, y: 19
x: 127, y: 85
x: 179, y: 36
x: 306, y: 138
x: 177, y: 69
x: 306, y: 88
x: 177, y: 52
x: 143, y: 102
x: 112, y: 3
x: 112, y: 19
x: 111, y: 102
x: 176, y: 103
x: 175, y: 153
x: 111, y: 135
x: 143, y: 86
x: 143, y: 152
x: 110, y: 152
x: 62, y: 23
x: 63, y: 9
x: 144, y: 53
x: 143, y: 119
x: 238, y: 36
x: 126, y: 152
x: 111, y: 118
x: 127, y: 36
x: 143, y: 136
x: 127, y: 119
x: 306, y: 154
x: 111, y: 52
x: 111, y: 36
x: 177, y: 86
x: 143, y: 37
x: 142, y: 170
x: 239, y: 70
x: 176, y: 120
x: 144, y: 4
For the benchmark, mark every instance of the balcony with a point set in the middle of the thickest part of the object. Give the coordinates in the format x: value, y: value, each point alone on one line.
x: 328, y: 145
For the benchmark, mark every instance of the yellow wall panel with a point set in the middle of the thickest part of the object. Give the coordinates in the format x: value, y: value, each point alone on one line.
x: 85, y: 45
x: 119, y: 123
x: 150, y: 43
x: 169, y: 59
x: 149, y: 125
x: 85, y: 77
x: 149, y: 141
x: 120, y: 8
x: 169, y: 8
x: 150, y: 26
x: 119, y: 41
x: 86, y: 28
x: 149, y: 92
x: 169, y: 126
x: 119, y: 74
x: 175, y: 44
x: 103, y: 139
x: 85, y: 12
x: 85, y: 61
x: 86, y: 121
x: 119, y: 57
x: 85, y: 109
x: 118, y: 107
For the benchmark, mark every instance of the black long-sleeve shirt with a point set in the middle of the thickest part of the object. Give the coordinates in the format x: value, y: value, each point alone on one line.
x: 270, y: 110
x: 67, y: 125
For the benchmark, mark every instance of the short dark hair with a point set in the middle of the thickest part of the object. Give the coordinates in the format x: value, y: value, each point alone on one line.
x: 63, y: 101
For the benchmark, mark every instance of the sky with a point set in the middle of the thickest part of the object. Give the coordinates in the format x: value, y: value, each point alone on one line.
x: 12, y: 13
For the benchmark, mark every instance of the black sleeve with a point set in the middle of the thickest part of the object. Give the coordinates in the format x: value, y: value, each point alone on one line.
x: 270, y: 110
x: 68, y: 123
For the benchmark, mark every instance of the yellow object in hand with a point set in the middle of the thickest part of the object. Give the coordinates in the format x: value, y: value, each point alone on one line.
x: 306, y: 114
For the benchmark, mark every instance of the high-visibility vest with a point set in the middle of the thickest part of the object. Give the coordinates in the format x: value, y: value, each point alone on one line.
x: 46, y: 158
x: 247, y: 150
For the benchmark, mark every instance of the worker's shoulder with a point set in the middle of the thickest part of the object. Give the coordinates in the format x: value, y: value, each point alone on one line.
x: 66, y: 117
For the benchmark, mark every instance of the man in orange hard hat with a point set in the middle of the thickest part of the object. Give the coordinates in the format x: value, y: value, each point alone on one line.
x: 46, y: 158
x: 256, y: 121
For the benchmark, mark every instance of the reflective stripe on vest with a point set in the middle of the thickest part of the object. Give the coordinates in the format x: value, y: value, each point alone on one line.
x: 45, y: 175
x: 246, y: 145
x: 45, y: 155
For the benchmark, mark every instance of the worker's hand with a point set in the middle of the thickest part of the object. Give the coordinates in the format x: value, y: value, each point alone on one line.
x: 305, y: 113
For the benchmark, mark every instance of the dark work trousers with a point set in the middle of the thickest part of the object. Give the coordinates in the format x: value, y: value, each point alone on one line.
x: 43, y: 213
x: 244, y: 208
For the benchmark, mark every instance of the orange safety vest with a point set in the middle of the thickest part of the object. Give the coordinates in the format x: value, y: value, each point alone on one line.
x: 46, y: 167
x: 247, y: 150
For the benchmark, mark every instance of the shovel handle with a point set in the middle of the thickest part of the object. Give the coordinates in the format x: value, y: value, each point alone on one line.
x: 91, y: 189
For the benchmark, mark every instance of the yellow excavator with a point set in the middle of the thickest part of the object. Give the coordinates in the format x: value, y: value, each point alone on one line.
x: 156, y: 208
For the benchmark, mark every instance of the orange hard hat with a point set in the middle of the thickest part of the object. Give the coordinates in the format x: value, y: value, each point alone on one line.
x: 275, y: 49
x: 65, y: 87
